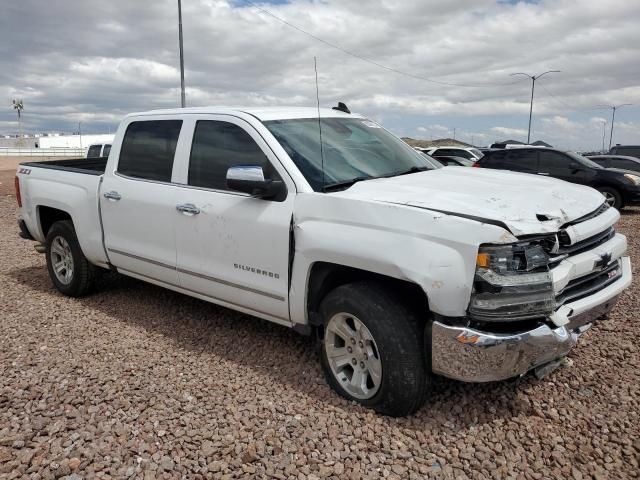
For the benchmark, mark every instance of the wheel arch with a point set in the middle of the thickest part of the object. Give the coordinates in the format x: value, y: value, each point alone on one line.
x: 47, y: 216
x: 325, y: 277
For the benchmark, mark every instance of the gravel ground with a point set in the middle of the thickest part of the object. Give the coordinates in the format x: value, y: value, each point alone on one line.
x: 139, y: 382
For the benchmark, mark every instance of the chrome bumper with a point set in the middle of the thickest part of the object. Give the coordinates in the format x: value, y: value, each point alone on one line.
x: 477, y: 356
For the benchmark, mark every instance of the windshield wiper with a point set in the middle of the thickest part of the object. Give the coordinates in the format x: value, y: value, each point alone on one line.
x: 413, y: 169
x: 346, y: 184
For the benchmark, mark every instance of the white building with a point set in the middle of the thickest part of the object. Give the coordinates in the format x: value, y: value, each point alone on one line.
x: 73, y: 141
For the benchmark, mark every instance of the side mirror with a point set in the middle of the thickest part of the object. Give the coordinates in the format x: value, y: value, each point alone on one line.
x: 250, y: 179
x: 575, y: 166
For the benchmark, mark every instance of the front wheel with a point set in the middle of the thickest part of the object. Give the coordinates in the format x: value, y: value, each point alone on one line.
x: 373, y: 349
x: 612, y: 197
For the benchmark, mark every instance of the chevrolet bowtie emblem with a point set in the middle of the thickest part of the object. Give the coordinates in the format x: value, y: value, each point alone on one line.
x: 603, y: 261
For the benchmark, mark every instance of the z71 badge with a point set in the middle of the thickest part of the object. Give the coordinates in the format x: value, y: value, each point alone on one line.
x: 24, y: 171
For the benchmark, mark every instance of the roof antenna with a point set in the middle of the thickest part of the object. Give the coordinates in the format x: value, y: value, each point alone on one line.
x: 342, y: 107
x: 315, y: 66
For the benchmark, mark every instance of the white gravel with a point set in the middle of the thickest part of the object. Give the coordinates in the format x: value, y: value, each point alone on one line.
x: 139, y: 382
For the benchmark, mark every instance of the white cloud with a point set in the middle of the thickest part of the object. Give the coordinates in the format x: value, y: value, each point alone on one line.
x: 509, y: 132
x: 122, y: 56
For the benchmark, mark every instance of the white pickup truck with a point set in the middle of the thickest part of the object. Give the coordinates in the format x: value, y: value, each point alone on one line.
x: 327, y: 223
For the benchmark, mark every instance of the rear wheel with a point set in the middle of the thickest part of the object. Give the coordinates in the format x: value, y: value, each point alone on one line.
x: 373, y: 349
x: 69, y: 270
x: 612, y: 197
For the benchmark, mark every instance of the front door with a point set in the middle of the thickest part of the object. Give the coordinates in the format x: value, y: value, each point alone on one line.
x: 233, y: 248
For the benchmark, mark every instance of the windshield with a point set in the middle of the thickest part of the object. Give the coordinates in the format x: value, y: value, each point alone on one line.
x: 583, y: 160
x: 352, y: 149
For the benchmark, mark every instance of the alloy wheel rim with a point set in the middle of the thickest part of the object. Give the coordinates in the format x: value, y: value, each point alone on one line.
x: 610, y: 198
x: 62, y: 260
x: 353, y: 356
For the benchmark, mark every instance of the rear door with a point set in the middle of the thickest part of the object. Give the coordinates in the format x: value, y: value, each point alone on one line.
x: 235, y: 249
x: 138, y: 203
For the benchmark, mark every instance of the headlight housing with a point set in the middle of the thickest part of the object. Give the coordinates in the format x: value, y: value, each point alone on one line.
x: 635, y: 179
x: 512, y: 282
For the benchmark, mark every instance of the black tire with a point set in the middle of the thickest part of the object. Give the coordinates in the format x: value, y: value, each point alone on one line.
x: 83, y: 272
x: 399, y: 336
x: 610, y: 192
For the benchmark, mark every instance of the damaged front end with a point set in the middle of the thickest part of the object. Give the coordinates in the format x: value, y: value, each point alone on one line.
x: 530, y: 302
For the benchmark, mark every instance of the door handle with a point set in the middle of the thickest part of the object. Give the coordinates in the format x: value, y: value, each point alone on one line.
x: 188, y: 209
x: 115, y: 196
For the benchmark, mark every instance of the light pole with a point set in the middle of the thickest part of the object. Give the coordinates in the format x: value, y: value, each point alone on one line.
x: 533, y: 87
x: 613, y: 116
x: 183, y: 99
x: 604, y: 133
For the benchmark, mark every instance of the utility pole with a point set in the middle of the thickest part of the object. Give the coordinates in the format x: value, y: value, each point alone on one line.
x: 454, y: 133
x: 80, y: 132
x: 183, y: 99
x: 613, y: 116
x: 533, y: 87
x: 604, y: 132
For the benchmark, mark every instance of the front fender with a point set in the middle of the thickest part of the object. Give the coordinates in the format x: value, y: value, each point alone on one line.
x: 433, y: 250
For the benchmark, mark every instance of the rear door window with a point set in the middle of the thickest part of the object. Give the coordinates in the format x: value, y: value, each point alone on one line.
x: 518, y: 160
x: 148, y: 149
x: 106, y: 150
x: 553, y: 163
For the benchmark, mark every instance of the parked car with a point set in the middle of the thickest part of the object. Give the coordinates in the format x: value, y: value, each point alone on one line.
x: 455, y: 161
x: 403, y: 269
x: 98, y: 150
x: 627, y: 150
x: 471, y: 153
x: 619, y: 187
x: 616, y: 161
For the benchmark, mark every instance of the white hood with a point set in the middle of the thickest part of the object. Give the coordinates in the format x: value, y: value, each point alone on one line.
x: 525, y: 203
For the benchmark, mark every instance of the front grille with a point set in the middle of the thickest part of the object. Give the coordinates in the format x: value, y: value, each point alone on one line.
x: 582, y: 246
x: 589, y: 284
x: 588, y: 216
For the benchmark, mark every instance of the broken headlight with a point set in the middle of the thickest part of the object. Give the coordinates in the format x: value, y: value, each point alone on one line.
x: 512, y: 282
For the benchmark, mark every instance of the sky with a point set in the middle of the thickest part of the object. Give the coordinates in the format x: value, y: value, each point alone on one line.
x: 421, y: 68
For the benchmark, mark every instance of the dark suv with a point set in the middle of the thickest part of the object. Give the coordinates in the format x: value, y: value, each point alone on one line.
x: 620, y: 187
x: 629, y: 150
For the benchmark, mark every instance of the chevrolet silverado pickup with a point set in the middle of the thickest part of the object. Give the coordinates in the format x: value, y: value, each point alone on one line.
x: 325, y: 222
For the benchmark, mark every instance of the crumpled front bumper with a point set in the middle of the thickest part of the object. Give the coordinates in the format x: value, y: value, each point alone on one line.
x: 471, y: 355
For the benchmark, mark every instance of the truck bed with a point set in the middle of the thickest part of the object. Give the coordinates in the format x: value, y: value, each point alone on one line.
x: 89, y: 166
